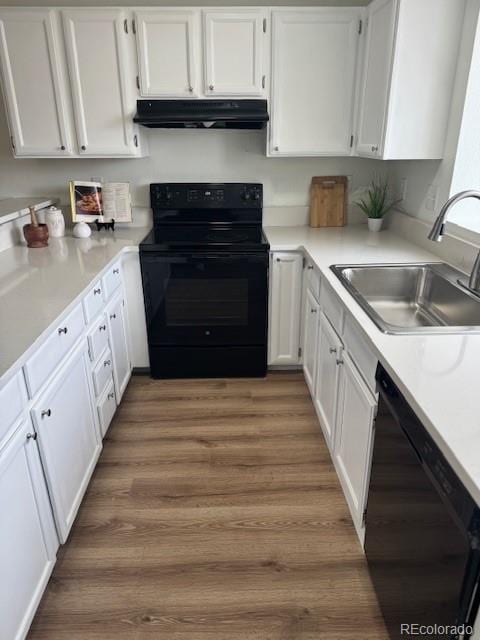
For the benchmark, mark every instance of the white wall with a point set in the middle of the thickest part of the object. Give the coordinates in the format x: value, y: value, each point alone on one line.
x: 181, y: 156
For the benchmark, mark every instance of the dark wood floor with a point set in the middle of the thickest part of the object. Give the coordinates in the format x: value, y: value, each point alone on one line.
x: 214, y: 514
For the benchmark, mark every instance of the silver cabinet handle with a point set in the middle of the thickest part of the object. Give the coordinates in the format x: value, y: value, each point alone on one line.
x: 46, y: 413
x: 333, y: 350
x: 313, y: 311
x: 275, y: 148
x: 310, y: 267
x: 107, y: 363
x: 62, y: 148
x: 111, y: 396
x: 113, y: 316
x: 339, y: 361
x: 31, y: 436
x: 211, y: 87
x: 96, y: 292
x: 116, y: 271
x: 102, y: 327
x: 62, y: 330
x: 374, y: 149
x: 190, y: 89
x: 84, y: 148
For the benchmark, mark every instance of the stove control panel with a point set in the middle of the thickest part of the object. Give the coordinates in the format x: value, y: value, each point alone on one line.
x: 183, y: 196
x: 206, y: 195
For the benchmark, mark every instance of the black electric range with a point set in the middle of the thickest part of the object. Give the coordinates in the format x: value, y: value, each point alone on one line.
x: 205, y: 280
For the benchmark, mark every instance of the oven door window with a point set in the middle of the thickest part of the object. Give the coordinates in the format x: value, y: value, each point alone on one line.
x: 205, y: 300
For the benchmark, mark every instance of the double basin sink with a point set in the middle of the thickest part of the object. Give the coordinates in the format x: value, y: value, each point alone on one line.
x: 413, y: 298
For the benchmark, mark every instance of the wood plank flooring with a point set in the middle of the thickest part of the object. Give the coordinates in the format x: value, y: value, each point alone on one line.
x: 214, y: 514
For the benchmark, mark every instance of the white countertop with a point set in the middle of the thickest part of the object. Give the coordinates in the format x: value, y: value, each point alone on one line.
x: 37, y: 286
x: 13, y: 208
x: 438, y: 374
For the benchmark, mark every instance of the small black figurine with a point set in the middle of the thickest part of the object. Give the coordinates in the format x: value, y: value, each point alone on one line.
x: 105, y: 225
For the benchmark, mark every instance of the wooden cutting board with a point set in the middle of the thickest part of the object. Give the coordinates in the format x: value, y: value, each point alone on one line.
x: 328, y: 201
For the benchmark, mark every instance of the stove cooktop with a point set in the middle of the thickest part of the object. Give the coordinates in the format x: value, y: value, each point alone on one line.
x: 205, y: 238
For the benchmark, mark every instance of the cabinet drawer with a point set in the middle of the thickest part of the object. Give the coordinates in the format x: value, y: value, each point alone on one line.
x: 58, y: 343
x: 102, y: 372
x: 107, y: 405
x: 98, y: 338
x: 313, y: 280
x: 13, y: 399
x: 332, y: 307
x: 112, y: 279
x: 93, y: 302
x: 359, y: 351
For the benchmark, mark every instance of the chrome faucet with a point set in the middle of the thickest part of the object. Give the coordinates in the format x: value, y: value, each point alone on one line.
x: 438, y: 229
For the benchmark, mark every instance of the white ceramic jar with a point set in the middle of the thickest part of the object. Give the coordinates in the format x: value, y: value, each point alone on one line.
x: 55, y: 222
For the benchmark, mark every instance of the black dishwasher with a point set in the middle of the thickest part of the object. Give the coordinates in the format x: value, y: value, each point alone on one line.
x: 422, y: 529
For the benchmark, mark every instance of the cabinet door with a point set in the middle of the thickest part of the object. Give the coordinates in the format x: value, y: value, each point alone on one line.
x: 119, y: 344
x: 376, y: 77
x: 285, y: 301
x: 234, y: 52
x: 34, y: 82
x: 326, y: 385
x: 68, y: 438
x: 313, y: 82
x: 168, y: 52
x: 356, y: 413
x: 310, y: 338
x: 28, y: 542
x: 101, y: 73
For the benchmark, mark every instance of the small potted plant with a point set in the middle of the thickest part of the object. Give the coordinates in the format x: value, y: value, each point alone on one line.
x: 376, y: 203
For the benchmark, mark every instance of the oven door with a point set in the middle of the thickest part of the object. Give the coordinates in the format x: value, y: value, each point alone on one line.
x: 211, y: 299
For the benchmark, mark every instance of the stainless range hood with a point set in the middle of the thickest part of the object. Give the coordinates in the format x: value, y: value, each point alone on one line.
x: 202, y: 114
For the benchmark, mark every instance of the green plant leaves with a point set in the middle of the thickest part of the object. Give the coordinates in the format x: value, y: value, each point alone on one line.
x: 376, y: 203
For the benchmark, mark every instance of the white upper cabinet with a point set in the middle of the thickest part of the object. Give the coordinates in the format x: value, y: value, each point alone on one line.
x: 313, y: 81
x: 168, y: 46
x: 234, y: 51
x: 285, y: 302
x: 376, y: 76
x: 100, y: 52
x: 34, y: 83
x: 411, y: 54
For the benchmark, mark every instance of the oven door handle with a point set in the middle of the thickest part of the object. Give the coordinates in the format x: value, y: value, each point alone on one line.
x: 249, y: 257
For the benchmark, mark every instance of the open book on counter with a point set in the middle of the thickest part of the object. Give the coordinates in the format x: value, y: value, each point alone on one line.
x: 92, y: 201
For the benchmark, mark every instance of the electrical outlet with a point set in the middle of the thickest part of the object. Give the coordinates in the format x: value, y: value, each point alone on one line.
x: 431, y: 199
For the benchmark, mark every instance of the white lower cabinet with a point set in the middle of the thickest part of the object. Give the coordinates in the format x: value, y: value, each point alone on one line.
x: 326, y: 386
x: 107, y: 405
x: 117, y: 326
x: 285, y: 308
x: 28, y: 541
x: 353, y: 443
x: 339, y: 369
x: 310, y: 339
x: 69, y: 442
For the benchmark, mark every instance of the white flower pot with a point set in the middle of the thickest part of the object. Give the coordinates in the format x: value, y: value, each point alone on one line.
x: 375, y: 224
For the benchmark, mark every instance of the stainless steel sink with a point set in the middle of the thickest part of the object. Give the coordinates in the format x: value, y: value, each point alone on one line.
x: 413, y: 298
